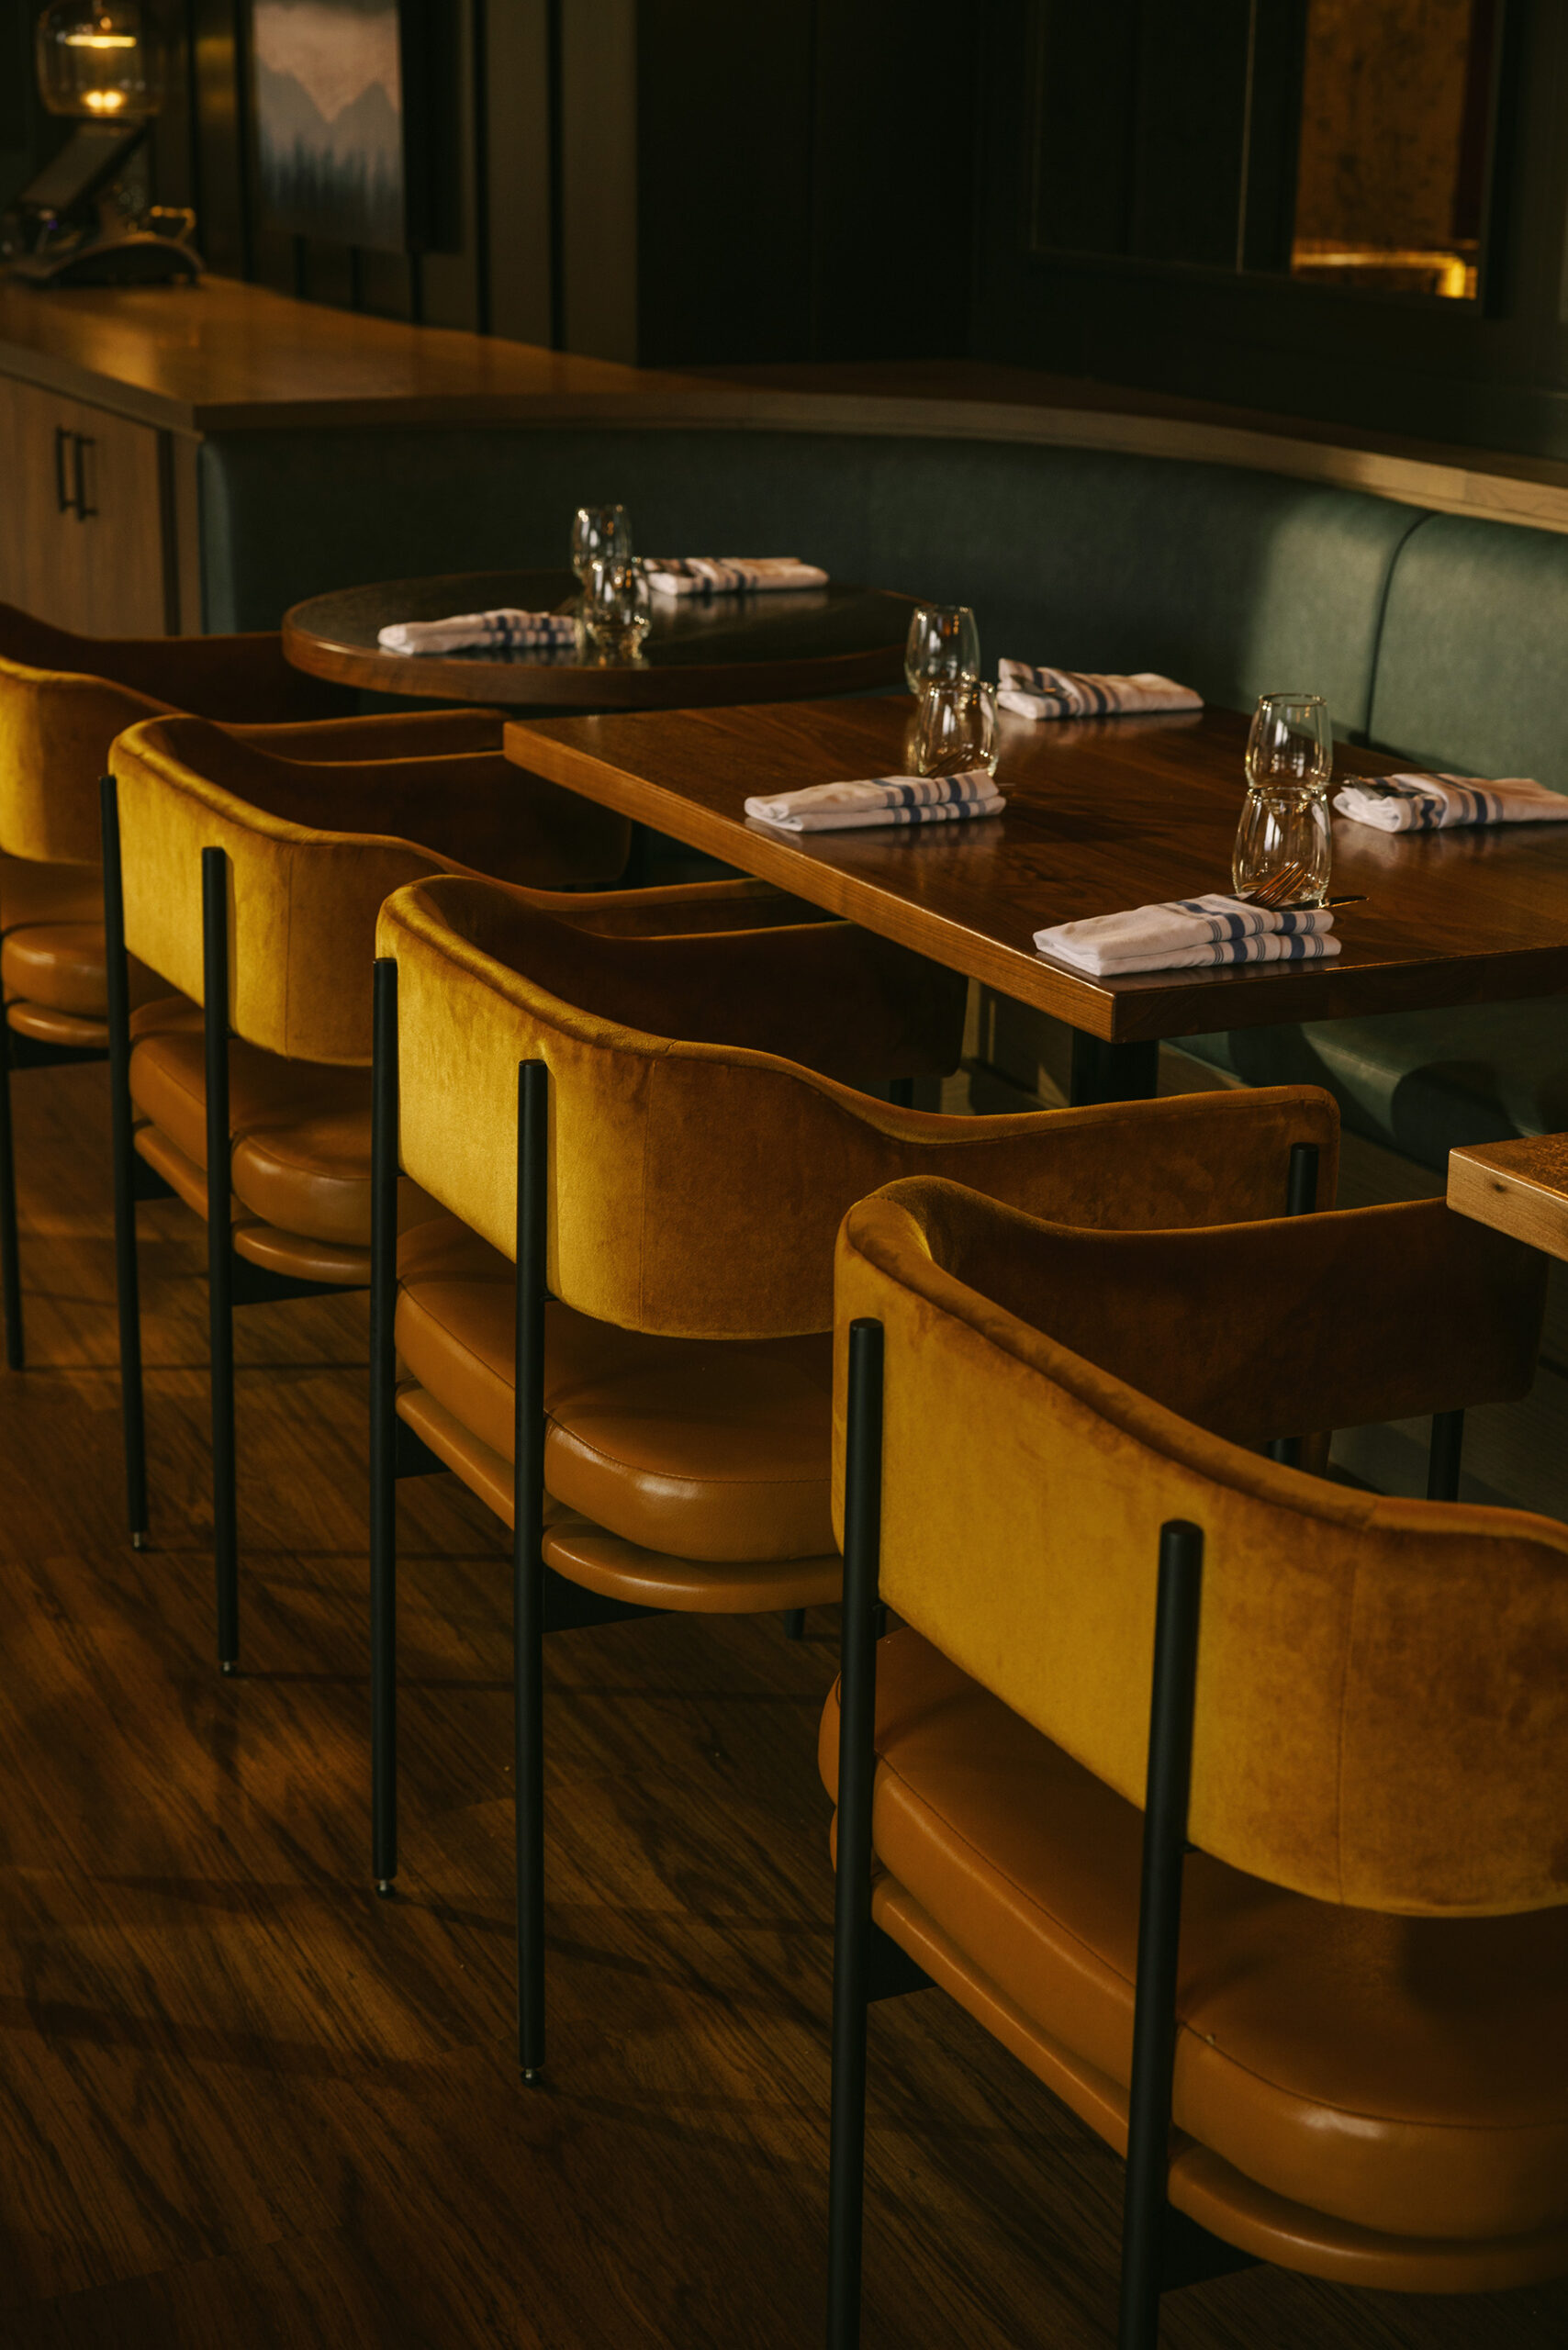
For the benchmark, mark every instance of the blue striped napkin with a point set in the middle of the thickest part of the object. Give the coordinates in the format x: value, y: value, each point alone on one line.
x: 1430, y: 803
x: 1188, y: 932
x: 883, y: 800
x: 729, y: 575
x: 503, y: 632
x: 1084, y: 693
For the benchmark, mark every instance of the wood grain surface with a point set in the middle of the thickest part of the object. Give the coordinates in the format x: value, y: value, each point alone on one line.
x: 224, y: 355
x: 244, y: 2103
x: 775, y: 647
x: 228, y: 357
x: 1519, y: 1187
x: 1100, y: 815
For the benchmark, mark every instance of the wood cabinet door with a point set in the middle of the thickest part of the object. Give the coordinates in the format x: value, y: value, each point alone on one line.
x: 82, y: 515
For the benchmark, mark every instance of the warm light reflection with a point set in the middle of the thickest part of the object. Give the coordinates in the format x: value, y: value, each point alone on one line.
x: 1404, y: 269
x: 104, y: 101
x: 100, y: 41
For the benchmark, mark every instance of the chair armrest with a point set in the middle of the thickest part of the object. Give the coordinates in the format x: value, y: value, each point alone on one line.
x: 688, y: 908
x: 391, y: 735
x: 1192, y: 1158
x: 1267, y: 1328
x: 827, y: 996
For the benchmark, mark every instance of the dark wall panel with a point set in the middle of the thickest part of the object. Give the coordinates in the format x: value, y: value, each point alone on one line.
x: 724, y: 166
x: 1490, y: 373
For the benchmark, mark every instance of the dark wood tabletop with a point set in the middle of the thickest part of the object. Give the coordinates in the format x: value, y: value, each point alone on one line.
x: 1102, y: 814
x: 779, y: 646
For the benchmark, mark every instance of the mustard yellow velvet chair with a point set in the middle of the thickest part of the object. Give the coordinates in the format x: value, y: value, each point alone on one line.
x: 249, y: 883
x: 661, y: 1135
x: 63, y: 699
x: 1333, y: 2036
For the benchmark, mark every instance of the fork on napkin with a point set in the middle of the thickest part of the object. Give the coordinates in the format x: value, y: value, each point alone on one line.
x: 1084, y: 693
x: 503, y: 630
x: 883, y: 800
x: 1188, y: 931
x: 1430, y: 803
x: 729, y: 575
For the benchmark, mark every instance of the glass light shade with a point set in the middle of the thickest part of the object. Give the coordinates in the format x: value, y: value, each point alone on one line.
x: 101, y: 64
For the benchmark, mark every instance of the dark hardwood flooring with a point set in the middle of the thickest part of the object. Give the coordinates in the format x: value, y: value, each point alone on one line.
x: 244, y: 2103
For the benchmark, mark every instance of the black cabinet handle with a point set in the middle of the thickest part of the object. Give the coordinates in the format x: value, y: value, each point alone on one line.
x: 62, y: 495
x: 79, y: 469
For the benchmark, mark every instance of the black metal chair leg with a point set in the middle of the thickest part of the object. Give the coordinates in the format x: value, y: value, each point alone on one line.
x: 1301, y: 1199
x: 528, y: 1559
x: 852, y: 1932
x: 794, y: 1623
x: 10, y: 1243
x: 1144, y: 2209
x: 1443, y: 1460
x: 383, y: 1432
x: 221, y: 1251
x: 126, y: 1291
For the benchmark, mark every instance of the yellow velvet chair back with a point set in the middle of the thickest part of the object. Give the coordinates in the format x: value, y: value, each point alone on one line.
x: 697, y: 1175
x: 64, y: 698
x: 1382, y: 1685
x: 313, y: 848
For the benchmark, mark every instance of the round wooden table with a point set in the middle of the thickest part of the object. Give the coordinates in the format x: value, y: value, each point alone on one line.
x: 795, y: 645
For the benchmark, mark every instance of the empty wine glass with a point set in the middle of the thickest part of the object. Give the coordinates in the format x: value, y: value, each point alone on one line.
x: 600, y: 534
x: 943, y: 646
x: 1284, y: 836
x: 954, y: 730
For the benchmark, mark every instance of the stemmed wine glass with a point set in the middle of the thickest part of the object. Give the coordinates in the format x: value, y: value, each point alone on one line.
x: 1284, y: 835
x: 600, y: 534
x: 942, y: 648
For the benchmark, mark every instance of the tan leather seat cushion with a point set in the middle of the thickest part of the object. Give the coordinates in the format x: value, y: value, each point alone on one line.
x: 60, y: 967
x: 301, y: 1156
x: 1406, y: 2074
x: 53, y: 951
x: 700, y: 1449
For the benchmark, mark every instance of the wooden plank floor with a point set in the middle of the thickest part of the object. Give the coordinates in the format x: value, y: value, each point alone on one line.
x: 242, y: 2102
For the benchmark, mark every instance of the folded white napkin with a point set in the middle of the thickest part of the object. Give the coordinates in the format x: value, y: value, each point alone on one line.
x: 506, y: 632
x: 1429, y: 804
x: 1073, y: 693
x: 727, y: 575
x: 1188, y: 931
x: 883, y: 800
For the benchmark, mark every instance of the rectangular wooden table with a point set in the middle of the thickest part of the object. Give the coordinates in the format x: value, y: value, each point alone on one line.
x: 1102, y: 814
x: 1519, y: 1188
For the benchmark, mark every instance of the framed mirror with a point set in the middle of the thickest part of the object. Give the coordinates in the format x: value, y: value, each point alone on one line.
x: 1350, y: 143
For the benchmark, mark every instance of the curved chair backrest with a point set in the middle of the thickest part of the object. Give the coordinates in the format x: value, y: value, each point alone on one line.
x: 698, y: 1174
x: 64, y: 698
x: 313, y: 848
x: 1383, y: 1685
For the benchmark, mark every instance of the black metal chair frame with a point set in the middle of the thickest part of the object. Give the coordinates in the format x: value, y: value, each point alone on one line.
x: 232, y: 1280
x: 542, y: 1600
x: 1162, y: 2249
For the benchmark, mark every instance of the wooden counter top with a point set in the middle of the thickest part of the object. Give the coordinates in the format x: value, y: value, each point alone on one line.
x: 228, y: 357
x: 225, y: 357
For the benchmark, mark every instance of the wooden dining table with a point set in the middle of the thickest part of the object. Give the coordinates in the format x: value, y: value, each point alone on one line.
x: 1100, y: 815
x: 835, y: 638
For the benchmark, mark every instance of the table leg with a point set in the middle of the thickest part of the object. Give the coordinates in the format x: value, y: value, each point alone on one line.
x: 1107, y: 1072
